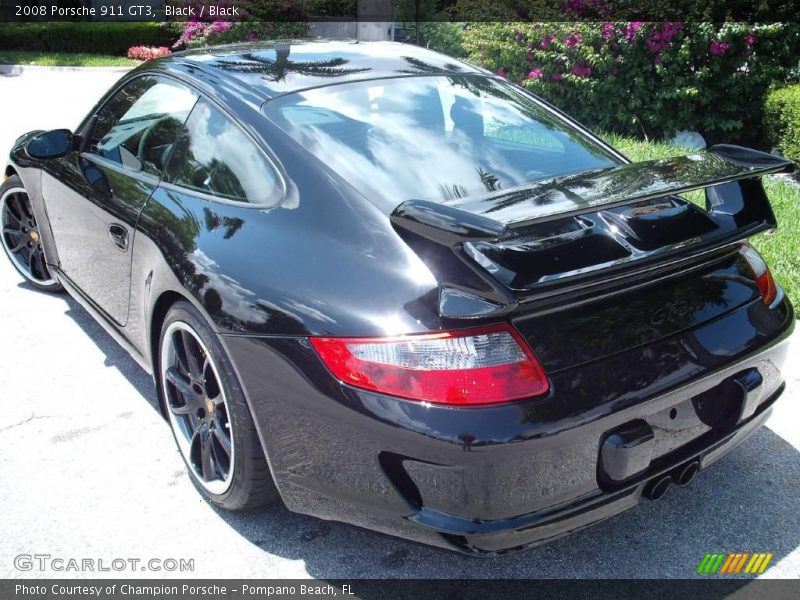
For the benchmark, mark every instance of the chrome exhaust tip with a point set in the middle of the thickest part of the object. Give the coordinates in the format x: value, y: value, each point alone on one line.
x: 684, y: 474
x: 656, y: 488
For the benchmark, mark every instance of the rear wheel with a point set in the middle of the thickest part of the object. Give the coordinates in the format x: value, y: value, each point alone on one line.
x: 208, y: 414
x: 21, y: 240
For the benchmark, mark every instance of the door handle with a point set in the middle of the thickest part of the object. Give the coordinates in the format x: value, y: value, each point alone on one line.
x: 118, y: 235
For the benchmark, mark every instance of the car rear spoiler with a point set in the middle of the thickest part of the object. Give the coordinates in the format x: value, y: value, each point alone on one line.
x: 567, y: 227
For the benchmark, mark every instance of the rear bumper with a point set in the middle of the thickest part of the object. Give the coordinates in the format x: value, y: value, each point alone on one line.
x: 491, y: 538
x: 493, y: 479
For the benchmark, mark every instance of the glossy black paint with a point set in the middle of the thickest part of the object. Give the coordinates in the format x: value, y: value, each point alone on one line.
x: 621, y: 342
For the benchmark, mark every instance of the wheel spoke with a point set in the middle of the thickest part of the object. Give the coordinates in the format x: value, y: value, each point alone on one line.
x: 19, y: 244
x: 180, y: 352
x: 206, y: 459
x: 222, y: 438
x: 210, y: 384
x: 24, y: 206
x: 13, y: 209
x: 26, y: 253
x: 192, y: 355
x: 182, y: 386
x: 36, y: 264
x: 11, y: 218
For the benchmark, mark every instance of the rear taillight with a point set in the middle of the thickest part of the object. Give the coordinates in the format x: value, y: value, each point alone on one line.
x: 476, y: 366
x: 766, y: 284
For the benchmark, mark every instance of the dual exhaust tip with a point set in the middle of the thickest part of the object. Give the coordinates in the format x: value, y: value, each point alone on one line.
x: 680, y: 476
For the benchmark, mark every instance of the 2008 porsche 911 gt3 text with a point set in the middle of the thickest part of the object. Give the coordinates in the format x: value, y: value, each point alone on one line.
x: 392, y: 289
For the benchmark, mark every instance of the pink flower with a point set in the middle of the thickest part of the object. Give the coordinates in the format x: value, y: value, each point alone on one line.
x: 220, y: 26
x: 607, y: 31
x: 547, y: 40
x: 573, y: 39
x: 501, y: 72
x: 557, y: 76
x: 718, y: 48
x: 657, y: 59
x: 750, y: 39
x: 582, y: 70
x: 660, y: 38
x: 147, y: 52
x: 252, y: 37
x: 191, y: 30
x: 632, y: 29
x: 535, y: 73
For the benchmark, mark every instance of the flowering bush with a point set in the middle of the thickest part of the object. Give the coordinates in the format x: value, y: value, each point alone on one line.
x: 646, y: 78
x: 148, y: 52
x: 198, y: 33
x: 259, y: 20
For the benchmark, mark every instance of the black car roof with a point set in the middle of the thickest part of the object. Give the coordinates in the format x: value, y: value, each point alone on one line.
x: 275, y: 68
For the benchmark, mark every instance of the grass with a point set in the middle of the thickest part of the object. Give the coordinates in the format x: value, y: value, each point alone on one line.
x: 781, y: 249
x: 63, y: 59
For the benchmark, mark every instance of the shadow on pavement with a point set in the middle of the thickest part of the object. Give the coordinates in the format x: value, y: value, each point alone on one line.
x: 746, y: 502
x: 116, y: 356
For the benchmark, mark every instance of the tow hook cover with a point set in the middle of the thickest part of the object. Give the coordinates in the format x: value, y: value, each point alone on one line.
x: 627, y: 451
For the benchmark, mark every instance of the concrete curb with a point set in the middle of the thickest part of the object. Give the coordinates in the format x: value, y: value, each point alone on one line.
x: 20, y: 69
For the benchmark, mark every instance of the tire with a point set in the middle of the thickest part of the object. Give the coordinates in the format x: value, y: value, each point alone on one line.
x: 20, y: 236
x: 202, y: 408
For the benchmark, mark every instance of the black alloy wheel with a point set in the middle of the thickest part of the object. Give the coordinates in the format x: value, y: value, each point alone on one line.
x: 21, y: 239
x: 208, y: 413
x: 198, y: 409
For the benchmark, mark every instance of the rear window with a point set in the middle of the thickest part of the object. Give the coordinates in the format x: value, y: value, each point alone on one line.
x: 434, y: 138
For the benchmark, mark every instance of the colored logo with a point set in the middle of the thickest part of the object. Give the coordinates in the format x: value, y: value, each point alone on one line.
x: 734, y: 563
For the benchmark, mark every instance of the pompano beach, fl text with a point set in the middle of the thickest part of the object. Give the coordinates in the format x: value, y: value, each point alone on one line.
x: 215, y: 590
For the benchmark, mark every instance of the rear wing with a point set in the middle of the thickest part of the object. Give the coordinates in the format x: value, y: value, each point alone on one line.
x: 532, y: 237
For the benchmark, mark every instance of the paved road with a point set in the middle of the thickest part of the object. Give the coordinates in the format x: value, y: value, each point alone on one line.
x: 89, y: 469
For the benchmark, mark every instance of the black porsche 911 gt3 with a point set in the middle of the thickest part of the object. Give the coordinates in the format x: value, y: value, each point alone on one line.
x: 395, y: 290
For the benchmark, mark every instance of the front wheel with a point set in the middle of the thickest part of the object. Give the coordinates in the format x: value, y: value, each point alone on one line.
x: 21, y: 240
x: 208, y: 414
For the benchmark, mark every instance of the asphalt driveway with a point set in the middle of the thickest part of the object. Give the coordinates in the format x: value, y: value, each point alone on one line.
x: 89, y: 469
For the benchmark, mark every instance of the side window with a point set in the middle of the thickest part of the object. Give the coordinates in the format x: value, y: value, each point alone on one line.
x: 215, y: 157
x: 138, y: 126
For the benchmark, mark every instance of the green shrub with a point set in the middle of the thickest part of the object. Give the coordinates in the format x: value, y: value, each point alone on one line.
x: 444, y: 37
x: 93, y: 38
x: 782, y: 120
x: 649, y: 79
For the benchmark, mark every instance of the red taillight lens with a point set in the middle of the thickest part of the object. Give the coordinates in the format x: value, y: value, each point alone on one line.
x: 766, y: 284
x: 477, y: 366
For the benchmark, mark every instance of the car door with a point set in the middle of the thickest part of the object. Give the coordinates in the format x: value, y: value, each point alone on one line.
x: 94, y: 196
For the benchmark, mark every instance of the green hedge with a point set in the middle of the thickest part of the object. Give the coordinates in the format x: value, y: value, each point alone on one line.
x: 646, y: 79
x: 92, y: 38
x: 782, y: 120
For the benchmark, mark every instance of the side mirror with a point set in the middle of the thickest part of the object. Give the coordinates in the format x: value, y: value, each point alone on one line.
x: 51, y: 144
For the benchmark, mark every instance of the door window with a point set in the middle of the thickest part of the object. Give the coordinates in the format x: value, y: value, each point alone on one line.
x: 138, y: 126
x: 214, y: 156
